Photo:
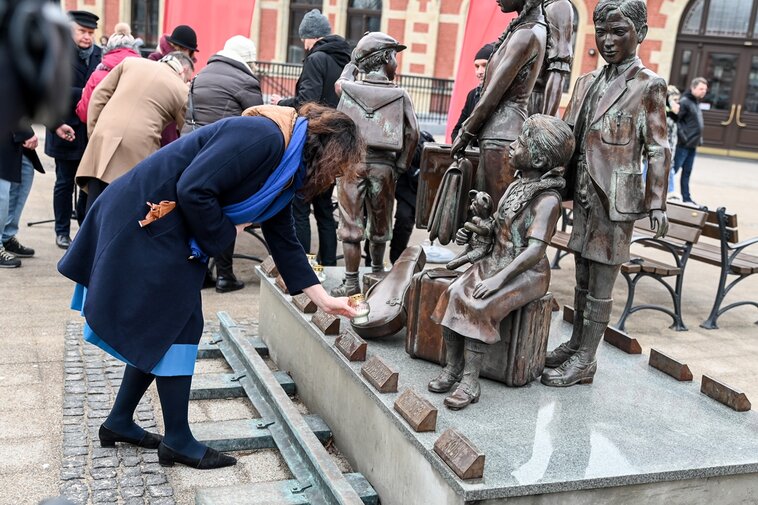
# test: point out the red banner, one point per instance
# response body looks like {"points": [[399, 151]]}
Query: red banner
{"points": [[214, 21], [484, 23]]}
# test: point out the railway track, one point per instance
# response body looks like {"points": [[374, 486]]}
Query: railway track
{"points": [[300, 439]]}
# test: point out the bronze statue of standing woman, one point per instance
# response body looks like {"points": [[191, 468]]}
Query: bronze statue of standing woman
{"points": [[511, 73]]}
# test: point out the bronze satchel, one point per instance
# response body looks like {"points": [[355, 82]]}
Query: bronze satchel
{"points": [[450, 206], [378, 112]]}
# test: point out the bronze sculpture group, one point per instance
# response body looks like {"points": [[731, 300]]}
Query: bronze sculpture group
{"points": [[614, 122]]}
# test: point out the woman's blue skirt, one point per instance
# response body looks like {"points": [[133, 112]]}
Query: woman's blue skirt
{"points": [[178, 360]]}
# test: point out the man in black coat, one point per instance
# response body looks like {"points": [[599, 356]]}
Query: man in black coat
{"points": [[480, 65], [326, 56], [689, 133], [67, 142]]}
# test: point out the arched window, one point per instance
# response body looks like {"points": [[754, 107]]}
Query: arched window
{"points": [[144, 21], [721, 18], [298, 9], [362, 16]]}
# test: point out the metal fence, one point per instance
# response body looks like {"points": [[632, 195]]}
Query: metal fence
{"points": [[431, 97]]}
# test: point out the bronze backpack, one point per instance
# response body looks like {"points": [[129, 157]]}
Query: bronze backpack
{"points": [[378, 112]]}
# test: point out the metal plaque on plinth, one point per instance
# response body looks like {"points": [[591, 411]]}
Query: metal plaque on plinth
{"points": [[417, 410], [304, 304], [269, 267], [460, 454], [670, 366], [722, 393], [351, 345], [380, 375], [328, 324], [281, 285]]}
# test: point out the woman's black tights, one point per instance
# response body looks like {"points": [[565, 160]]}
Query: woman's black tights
{"points": [[174, 395], [133, 387]]}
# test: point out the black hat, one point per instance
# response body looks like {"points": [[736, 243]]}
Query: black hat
{"points": [[485, 52], [84, 18], [184, 36]]}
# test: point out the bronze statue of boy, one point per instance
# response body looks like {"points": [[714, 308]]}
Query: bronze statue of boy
{"points": [[384, 115], [618, 116], [516, 270]]}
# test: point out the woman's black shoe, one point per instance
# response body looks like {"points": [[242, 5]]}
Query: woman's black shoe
{"points": [[211, 459], [108, 438]]}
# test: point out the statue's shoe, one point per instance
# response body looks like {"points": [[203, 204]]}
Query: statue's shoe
{"points": [[346, 289], [462, 397], [573, 371], [387, 298], [444, 382], [559, 355]]}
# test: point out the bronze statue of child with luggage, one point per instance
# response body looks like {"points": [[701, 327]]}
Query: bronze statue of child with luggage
{"points": [[478, 234], [384, 115], [516, 272]]}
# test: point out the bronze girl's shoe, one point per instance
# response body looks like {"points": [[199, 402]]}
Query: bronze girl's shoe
{"points": [[108, 438], [211, 459], [462, 397]]}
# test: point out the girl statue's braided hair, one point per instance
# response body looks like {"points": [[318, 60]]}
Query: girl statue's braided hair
{"points": [[529, 6]]}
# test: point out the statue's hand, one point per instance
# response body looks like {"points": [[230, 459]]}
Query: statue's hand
{"points": [[460, 143], [659, 222], [462, 236], [486, 288]]}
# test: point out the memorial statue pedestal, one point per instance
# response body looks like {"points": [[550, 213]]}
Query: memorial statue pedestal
{"points": [[634, 436]]}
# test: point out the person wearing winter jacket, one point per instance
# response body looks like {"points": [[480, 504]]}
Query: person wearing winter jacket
{"points": [[690, 133], [120, 45], [326, 56], [224, 88]]}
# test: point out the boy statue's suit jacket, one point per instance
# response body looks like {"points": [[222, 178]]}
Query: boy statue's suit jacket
{"points": [[628, 126]]}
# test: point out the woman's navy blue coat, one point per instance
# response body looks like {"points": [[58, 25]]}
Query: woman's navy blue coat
{"points": [[143, 293]]}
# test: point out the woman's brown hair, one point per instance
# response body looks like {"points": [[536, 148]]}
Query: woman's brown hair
{"points": [[333, 148]]}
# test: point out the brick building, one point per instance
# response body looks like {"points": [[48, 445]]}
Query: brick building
{"points": [[714, 38]]}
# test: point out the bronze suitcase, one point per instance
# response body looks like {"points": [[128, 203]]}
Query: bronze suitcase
{"points": [[423, 337], [435, 160], [517, 359]]}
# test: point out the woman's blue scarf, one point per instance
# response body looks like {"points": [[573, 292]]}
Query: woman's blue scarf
{"points": [[275, 194]]}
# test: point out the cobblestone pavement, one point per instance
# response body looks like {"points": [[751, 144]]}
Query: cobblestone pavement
{"points": [[90, 473]]}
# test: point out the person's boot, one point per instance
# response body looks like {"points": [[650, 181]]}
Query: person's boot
{"points": [[564, 351], [468, 390], [7, 260], [453, 370], [581, 367], [349, 286], [13, 246]]}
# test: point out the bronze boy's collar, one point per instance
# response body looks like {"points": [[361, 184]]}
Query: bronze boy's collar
{"points": [[616, 87]]}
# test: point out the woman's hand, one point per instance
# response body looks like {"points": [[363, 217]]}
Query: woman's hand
{"points": [[487, 287], [329, 304]]}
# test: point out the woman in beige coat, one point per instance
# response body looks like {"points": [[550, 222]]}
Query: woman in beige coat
{"points": [[127, 113]]}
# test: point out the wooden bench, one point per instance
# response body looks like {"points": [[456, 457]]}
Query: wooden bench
{"points": [[729, 255], [685, 227]]}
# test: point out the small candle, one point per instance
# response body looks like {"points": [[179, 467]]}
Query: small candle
{"points": [[320, 275], [361, 306]]}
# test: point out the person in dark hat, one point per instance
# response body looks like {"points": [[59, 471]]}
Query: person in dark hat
{"points": [[480, 64], [326, 54], [183, 39], [67, 141]]}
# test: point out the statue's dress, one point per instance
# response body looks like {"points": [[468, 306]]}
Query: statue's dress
{"points": [[528, 210]]}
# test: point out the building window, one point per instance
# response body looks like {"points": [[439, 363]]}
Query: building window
{"points": [[362, 16], [145, 14], [728, 18], [298, 9], [693, 19]]}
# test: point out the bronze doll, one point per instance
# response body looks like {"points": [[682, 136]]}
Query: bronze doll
{"points": [[618, 116], [384, 115], [516, 272], [502, 108]]}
